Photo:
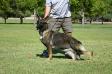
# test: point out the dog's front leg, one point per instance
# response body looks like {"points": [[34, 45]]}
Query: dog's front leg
{"points": [[49, 52]]}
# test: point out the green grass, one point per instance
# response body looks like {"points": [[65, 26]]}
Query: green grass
{"points": [[19, 44]]}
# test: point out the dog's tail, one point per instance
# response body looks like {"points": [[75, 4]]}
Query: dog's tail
{"points": [[85, 52], [78, 47]]}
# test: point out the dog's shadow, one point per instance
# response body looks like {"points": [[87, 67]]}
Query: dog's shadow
{"points": [[44, 54], [54, 56]]}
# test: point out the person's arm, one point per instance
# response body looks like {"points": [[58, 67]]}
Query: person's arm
{"points": [[47, 11], [47, 8]]}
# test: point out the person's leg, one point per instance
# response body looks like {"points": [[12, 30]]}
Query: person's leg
{"points": [[54, 24], [67, 26]]}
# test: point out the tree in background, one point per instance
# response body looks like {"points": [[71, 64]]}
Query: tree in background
{"points": [[74, 9], [40, 7], [81, 9], [5, 9], [108, 15], [17, 8], [24, 8], [99, 9], [91, 9]]}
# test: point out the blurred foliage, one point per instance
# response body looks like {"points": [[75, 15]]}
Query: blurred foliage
{"points": [[92, 9]]}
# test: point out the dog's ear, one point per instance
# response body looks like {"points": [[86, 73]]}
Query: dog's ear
{"points": [[37, 25], [38, 17], [38, 21]]}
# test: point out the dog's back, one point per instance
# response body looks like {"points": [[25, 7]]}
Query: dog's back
{"points": [[61, 40]]}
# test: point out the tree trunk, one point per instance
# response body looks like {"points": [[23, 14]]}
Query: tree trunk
{"points": [[21, 20], [35, 18], [102, 19], [83, 17], [90, 20], [5, 20]]}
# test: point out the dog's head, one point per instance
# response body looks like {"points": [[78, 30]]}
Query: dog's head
{"points": [[42, 25]]}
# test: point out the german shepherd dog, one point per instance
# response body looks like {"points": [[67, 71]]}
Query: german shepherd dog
{"points": [[71, 46]]}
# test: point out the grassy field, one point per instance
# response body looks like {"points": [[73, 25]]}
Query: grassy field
{"points": [[19, 44]]}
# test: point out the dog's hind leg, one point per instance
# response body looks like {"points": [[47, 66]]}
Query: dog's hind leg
{"points": [[70, 53]]}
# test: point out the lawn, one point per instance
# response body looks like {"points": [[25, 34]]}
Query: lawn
{"points": [[19, 44]]}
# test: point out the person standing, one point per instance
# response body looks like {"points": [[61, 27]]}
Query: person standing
{"points": [[58, 12]]}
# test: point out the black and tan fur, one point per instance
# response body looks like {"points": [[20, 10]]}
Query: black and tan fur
{"points": [[50, 39]]}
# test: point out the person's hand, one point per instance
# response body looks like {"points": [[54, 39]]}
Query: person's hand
{"points": [[45, 18]]}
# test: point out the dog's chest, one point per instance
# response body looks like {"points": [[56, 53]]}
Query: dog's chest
{"points": [[44, 34]]}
